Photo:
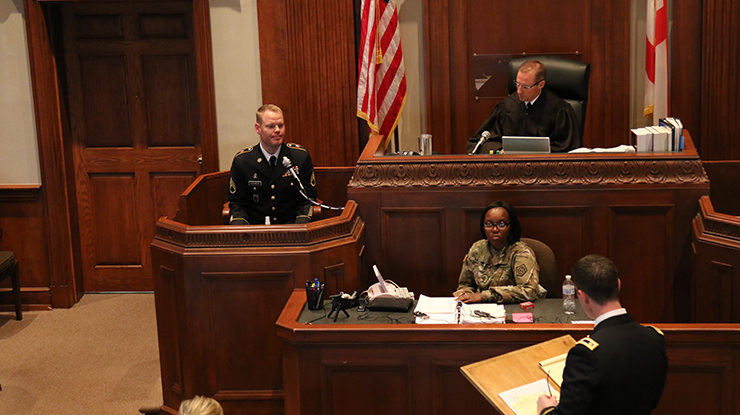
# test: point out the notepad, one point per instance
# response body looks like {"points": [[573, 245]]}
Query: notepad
{"points": [[554, 368]]}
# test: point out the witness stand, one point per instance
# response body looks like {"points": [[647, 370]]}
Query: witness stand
{"points": [[219, 290]]}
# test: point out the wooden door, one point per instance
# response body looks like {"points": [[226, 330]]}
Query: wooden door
{"points": [[135, 132]]}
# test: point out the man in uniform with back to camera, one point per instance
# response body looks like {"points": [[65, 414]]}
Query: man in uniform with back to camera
{"points": [[620, 368], [531, 111], [262, 190]]}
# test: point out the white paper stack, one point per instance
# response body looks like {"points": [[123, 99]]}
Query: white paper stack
{"points": [[443, 310]]}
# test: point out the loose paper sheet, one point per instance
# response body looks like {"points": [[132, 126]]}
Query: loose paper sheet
{"points": [[523, 399]]}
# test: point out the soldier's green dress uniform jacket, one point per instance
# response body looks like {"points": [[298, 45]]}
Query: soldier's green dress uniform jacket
{"points": [[619, 369], [257, 190], [509, 276]]}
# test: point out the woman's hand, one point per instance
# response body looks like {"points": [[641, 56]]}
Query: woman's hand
{"points": [[470, 298]]}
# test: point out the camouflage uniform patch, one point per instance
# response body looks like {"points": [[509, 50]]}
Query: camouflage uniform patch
{"points": [[508, 276]]}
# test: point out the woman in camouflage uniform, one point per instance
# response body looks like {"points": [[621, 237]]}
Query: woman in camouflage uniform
{"points": [[499, 268]]}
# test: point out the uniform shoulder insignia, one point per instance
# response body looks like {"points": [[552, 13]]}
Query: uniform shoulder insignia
{"points": [[296, 146], [590, 343], [657, 330], [246, 150]]}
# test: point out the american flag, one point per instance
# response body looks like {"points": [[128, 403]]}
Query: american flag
{"points": [[381, 85], [656, 62]]}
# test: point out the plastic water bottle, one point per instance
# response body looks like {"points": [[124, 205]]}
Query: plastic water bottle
{"points": [[569, 296]]}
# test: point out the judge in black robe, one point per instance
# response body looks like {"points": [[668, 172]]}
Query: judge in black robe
{"points": [[549, 116]]}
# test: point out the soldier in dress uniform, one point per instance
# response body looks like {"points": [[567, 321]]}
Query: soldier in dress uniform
{"points": [[621, 367], [262, 190]]}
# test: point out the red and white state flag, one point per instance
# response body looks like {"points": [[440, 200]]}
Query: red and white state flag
{"points": [[381, 84], [656, 62]]}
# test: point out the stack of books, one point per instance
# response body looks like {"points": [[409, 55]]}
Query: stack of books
{"points": [[664, 137]]}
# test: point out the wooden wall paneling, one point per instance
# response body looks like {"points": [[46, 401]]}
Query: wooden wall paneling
{"points": [[720, 279], [166, 189], [24, 233], [712, 375], [724, 185], [599, 31], [566, 229], [607, 43], [686, 67], [234, 342], [449, 381], [170, 323], [331, 184], [721, 28], [205, 84], [65, 288], [307, 61], [395, 377], [635, 256], [428, 225], [437, 67]]}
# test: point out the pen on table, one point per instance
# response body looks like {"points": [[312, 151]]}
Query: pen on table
{"points": [[548, 383]]}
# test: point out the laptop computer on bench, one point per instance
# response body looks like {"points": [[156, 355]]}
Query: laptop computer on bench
{"points": [[525, 145]]}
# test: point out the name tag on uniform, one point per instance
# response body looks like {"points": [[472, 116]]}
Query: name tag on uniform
{"points": [[255, 183]]}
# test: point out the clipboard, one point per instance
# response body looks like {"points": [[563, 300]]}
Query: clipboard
{"points": [[520, 367]]}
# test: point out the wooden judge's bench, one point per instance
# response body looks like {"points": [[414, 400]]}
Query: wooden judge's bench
{"points": [[422, 214], [220, 289]]}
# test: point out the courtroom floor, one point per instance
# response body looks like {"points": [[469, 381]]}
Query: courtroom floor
{"points": [[99, 357]]}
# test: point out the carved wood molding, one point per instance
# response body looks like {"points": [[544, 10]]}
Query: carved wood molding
{"points": [[513, 173], [242, 236], [718, 224]]}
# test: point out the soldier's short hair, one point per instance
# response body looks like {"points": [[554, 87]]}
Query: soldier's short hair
{"points": [[597, 276], [534, 66], [267, 107]]}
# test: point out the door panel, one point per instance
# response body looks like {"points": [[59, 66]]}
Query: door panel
{"points": [[135, 130]]}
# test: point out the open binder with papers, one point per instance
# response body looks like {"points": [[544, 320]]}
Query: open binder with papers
{"points": [[446, 310]]}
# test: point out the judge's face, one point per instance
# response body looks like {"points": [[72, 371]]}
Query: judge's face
{"points": [[271, 130], [497, 225], [525, 80]]}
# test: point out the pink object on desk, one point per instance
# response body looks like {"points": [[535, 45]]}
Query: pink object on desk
{"points": [[522, 318]]}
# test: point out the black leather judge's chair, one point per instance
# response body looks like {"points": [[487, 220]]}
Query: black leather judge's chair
{"points": [[9, 269], [548, 265], [567, 78]]}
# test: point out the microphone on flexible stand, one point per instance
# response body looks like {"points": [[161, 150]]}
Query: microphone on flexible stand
{"points": [[458, 313], [483, 138], [289, 165]]}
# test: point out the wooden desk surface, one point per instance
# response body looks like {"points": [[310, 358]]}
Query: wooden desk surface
{"points": [[332, 368]]}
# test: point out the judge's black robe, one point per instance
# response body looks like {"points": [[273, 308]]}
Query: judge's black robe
{"points": [[549, 116]]}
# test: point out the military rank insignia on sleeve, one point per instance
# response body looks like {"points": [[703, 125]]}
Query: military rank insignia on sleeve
{"points": [[590, 343], [232, 186]]}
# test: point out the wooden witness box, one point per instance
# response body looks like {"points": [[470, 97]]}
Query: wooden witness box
{"points": [[219, 290], [423, 213]]}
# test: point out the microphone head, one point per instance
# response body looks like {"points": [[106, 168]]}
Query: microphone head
{"points": [[486, 135], [286, 162]]}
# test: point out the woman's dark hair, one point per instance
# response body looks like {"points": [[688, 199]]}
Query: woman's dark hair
{"points": [[515, 230]]}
